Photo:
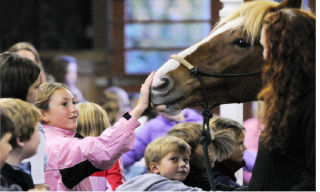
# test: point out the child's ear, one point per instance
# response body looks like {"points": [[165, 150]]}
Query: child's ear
{"points": [[19, 143], [154, 168], [44, 117]]}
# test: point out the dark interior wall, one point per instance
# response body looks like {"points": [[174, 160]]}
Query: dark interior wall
{"points": [[58, 27], [18, 22], [69, 29], [48, 24]]}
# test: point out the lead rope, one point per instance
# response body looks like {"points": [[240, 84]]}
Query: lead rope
{"points": [[205, 138]]}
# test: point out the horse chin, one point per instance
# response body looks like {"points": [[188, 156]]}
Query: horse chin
{"points": [[169, 105], [168, 109], [173, 109]]}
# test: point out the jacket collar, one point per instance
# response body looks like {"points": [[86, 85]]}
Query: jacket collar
{"points": [[60, 131]]}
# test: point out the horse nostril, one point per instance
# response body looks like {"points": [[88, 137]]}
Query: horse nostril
{"points": [[165, 81]]}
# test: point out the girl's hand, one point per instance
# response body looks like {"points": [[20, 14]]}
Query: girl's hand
{"points": [[143, 101]]}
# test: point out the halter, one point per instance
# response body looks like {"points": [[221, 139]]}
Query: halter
{"points": [[195, 70], [206, 113]]}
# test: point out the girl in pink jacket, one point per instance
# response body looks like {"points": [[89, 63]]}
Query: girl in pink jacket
{"points": [[72, 159]]}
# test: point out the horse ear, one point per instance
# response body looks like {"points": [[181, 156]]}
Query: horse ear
{"points": [[289, 4]]}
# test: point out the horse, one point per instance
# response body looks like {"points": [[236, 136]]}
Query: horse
{"points": [[231, 49]]}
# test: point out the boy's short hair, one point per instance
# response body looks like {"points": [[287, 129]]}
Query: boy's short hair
{"points": [[7, 125], [189, 132], [24, 115], [162, 146]]}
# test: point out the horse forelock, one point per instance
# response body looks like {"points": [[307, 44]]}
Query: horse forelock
{"points": [[226, 27], [252, 13]]}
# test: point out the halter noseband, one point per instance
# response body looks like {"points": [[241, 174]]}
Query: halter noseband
{"points": [[205, 139], [194, 70]]}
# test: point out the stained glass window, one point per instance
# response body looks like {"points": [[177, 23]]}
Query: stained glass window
{"points": [[155, 29]]}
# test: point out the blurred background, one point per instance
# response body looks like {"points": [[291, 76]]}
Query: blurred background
{"points": [[115, 42]]}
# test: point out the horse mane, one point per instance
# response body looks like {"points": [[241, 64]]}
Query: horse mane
{"points": [[253, 13]]}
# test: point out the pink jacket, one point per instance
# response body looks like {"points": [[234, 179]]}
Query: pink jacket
{"points": [[66, 152]]}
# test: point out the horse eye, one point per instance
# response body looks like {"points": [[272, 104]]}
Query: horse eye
{"points": [[241, 43]]}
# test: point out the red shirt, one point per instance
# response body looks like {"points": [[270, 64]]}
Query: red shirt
{"points": [[110, 178]]}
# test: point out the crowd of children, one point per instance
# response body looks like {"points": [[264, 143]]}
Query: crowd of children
{"points": [[81, 152], [49, 141], [70, 159]]}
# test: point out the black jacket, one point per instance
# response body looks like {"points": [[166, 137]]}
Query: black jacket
{"points": [[224, 172], [5, 186], [199, 178], [16, 176], [294, 169]]}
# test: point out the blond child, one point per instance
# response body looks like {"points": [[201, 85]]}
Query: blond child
{"points": [[25, 140], [93, 120], [167, 162], [221, 147], [71, 160]]}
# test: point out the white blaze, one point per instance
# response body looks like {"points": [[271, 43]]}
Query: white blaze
{"points": [[171, 64]]}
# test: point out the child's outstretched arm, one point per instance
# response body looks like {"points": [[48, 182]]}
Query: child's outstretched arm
{"points": [[143, 101]]}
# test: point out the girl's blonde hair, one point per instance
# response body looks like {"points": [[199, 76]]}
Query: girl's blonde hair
{"points": [[93, 119], [47, 90]]}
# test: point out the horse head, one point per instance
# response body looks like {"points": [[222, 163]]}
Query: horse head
{"points": [[232, 47]]}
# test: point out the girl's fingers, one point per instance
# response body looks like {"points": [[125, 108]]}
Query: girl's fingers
{"points": [[147, 83], [143, 101], [149, 78]]}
